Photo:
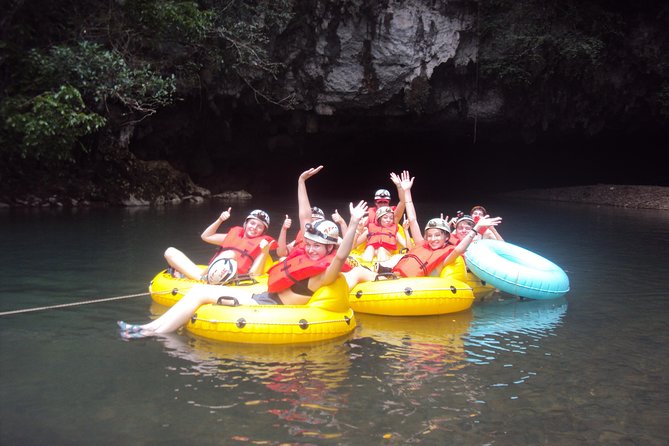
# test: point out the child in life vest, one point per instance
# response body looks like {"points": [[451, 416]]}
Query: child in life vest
{"points": [[432, 249], [382, 199], [381, 236], [242, 250]]}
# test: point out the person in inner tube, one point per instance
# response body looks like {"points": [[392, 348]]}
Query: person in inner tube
{"points": [[491, 233], [249, 260]]}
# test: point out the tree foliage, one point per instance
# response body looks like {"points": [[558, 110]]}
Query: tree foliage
{"points": [[47, 126], [564, 60], [91, 64]]}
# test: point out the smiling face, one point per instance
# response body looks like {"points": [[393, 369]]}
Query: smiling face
{"points": [[462, 228], [315, 250], [387, 220], [478, 212], [382, 202], [436, 238], [253, 228]]}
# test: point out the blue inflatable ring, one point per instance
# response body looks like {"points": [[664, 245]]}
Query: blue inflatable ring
{"points": [[516, 270]]}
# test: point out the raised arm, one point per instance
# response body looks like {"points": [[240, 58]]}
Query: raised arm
{"points": [[399, 209], [210, 235], [304, 207], [416, 233], [344, 249], [406, 224], [340, 221], [484, 222], [282, 241]]}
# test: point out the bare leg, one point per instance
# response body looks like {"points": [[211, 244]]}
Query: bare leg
{"points": [[184, 309], [382, 254], [183, 264], [357, 275], [368, 255], [392, 261]]}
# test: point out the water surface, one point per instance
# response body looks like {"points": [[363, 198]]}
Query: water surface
{"points": [[588, 368]]}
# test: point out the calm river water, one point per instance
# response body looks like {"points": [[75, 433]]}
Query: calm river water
{"points": [[589, 368]]}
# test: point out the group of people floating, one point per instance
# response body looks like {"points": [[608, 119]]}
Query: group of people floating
{"points": [[319, 253]]}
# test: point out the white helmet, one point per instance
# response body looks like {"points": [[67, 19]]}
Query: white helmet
{"points": [[317, 212], [467, 218], [259, 215], [221, 271], [382, 194], [322, 231], [438, 223]]}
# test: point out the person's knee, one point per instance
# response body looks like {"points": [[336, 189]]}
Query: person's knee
{"points": [[170, 253]]}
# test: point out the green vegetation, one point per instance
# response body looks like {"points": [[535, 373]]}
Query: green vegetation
{"points": [[575, 60], [47, 126], [70, 68]]}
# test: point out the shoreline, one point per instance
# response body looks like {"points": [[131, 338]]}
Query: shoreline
{"points": [[627, 196], [634, 197]]}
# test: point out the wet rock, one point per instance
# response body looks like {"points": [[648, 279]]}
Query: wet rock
{"points": [[638, 197]]}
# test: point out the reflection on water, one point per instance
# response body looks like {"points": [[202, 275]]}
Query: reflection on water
{"points": [[418, 347], [297, 384], [511, 325]]}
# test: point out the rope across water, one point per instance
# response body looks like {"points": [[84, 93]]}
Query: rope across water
{"points": [[72, 304]]}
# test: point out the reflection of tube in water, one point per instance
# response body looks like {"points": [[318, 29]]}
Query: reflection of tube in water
{"points": [[396, 330], [299, 384], [532, 317], [419, 347]]}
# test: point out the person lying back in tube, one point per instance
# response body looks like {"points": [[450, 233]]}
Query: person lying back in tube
{"points": [[242, 250]]}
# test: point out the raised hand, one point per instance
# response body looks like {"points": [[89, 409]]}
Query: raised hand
{"points": [[225, 214], [358, 211], [310, 173], [336, 217], [406, 180], [395, 179], [287, 222], [488, 221]]}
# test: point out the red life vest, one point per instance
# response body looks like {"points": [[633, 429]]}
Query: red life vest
{"points": [[299, 239], [380, 237], [246, 249], [422, 260], [297, 267]]}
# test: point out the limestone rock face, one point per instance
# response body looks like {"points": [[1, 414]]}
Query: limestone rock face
{"points": [[373, 54]]}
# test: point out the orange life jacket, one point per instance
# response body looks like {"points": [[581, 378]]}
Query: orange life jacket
{"points": [[246, 249], [297, 267], [421, 260], [380, 237], [299, 239]]}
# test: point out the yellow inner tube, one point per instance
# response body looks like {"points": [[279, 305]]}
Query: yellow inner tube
{"points": [[166, 289], [458, 271], [411, 296], [326, 316]]}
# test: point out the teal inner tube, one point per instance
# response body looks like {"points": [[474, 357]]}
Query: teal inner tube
{"points": [[516, 270]]}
